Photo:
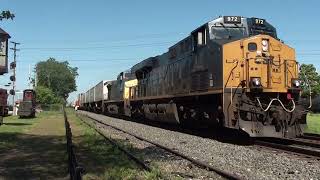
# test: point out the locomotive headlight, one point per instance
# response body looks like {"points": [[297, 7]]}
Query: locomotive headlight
{"points": [[265, 45], [296, 83], [264, 42], [255, 82]]}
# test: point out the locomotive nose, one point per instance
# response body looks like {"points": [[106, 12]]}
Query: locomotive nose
{"points": [[267, 62]]}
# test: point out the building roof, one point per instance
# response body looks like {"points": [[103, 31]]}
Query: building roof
{"points": [[3, 32]]}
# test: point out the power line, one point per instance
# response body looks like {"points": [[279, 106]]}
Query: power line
{"points": [[131, 38], [315, 40], [136, 58], [92, 60], [98, 47]]}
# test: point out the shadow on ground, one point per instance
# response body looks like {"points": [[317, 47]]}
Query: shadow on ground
{"points": [[17, 124], [25, 156], [27, 117]]}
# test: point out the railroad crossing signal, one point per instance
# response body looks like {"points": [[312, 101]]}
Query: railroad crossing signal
{"points": [[12, 92], [13, 65], [12, 78]]}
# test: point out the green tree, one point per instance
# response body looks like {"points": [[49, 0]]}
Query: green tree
{"points": [[46, 96], [59, 77], [310, 77], [6, 15]]}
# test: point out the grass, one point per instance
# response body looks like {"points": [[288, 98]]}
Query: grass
{"points": [[14, 124], [313, 121], [33, 148], [102, 160]]}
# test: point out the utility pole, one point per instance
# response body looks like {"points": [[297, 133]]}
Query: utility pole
{"points": [[35, 80], [29, 79], [14, 73]]}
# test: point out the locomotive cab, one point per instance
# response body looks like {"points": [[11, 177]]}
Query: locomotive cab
{"points": [[27, 107]]}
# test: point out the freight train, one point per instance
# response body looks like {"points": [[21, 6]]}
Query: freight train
{"points": [[231, 72]]}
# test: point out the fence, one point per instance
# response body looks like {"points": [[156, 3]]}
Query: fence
{"points": [[75, 170]]}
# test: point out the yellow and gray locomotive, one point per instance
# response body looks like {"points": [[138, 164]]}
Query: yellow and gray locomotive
{"points": [[231, 72]]}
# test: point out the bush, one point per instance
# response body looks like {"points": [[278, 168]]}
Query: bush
{"points": [[51, 107], [46, 96]]}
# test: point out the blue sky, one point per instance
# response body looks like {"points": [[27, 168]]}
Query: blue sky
{"points": [[103, 37]]}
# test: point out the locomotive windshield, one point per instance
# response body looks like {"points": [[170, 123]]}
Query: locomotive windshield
{"points": [[222, 32], [235, 27], [260, 26]]}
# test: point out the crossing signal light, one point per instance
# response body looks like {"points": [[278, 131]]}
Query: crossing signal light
{"points": [[12, 78], [13, 65], [12, 92]]}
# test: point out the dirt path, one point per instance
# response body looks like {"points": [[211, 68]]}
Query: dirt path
{"points": [[38, 152]]}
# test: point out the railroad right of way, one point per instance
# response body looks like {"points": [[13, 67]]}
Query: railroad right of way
{"points": [[147, 154], [244, 161]]}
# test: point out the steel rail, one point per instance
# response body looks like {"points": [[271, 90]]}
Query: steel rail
{"points": [[302, 141], [311, 136], [198, 163], [289, 148], [130, 155]]}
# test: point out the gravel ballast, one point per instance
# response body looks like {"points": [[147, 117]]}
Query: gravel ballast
{"points": [[170, 165], [248, 162]]}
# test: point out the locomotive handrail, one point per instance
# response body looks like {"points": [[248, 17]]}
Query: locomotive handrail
{"points": [[277, 99], [309, 87], [261, 57], [279, 65]]}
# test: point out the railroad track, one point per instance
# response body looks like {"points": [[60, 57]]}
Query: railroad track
{"points": [[195, 162], [139, 162], [299, 146], [311, 136]]}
